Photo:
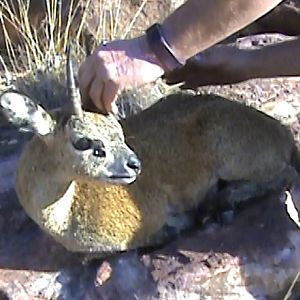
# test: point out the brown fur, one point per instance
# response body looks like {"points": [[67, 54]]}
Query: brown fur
{"points": [[186, 145]]}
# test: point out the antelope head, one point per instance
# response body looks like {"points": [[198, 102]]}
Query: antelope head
{"points": [[84, 145]]}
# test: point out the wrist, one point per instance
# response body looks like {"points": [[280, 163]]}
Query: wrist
{"points": [[162, 49], [147, 54], [253, 64], [245, 64]]}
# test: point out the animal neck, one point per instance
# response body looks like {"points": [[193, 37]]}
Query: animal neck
{"points": [[42, 185]]}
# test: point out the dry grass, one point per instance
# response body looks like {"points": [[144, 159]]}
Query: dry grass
{"points": [[44, 46]]}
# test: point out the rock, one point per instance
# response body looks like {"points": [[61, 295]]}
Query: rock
{"points": [[285, 19], [283, 110], [257, 41], [256, 255]]}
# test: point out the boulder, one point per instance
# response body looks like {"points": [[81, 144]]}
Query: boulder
{"points": [[257, 256]]}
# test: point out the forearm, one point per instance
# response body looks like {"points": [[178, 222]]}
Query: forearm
{"points": [[199, 24], [277, 60]]}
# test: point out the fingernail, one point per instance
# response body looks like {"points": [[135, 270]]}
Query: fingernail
{"points": [[114, 109]]}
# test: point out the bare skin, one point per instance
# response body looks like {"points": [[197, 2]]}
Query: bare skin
{"points": [[129, 63], [224, 64]]}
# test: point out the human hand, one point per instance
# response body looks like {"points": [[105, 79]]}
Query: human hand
{"points": [[117, 65], [221, 64]]}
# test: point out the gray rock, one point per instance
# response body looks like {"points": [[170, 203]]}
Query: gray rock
{"points": [[257, 256]]}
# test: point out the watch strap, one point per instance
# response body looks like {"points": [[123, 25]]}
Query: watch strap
{"points": [[161, 48]]}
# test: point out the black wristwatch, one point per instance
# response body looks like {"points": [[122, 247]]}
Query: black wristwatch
{"points": [[162, 49]]}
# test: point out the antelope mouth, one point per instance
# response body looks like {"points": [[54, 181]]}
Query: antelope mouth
{"points": [[122, 178]]}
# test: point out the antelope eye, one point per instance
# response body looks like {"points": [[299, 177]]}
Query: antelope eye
{"points": [[99, 152], [99, 149], [83, 144]]}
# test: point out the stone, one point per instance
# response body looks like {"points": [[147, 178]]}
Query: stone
{"points": [[255, 256]]}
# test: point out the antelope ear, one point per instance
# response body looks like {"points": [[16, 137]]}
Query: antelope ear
{"points": [[25, 114]]}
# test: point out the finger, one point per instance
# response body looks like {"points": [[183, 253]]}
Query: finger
{"points": [[114, 108], [89, 105], [195, 81], [189, 86], [86, 74], [175, 76], [109, 96], [95, 94], [194, 64]]}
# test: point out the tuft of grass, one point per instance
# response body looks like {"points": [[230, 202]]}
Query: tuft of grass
{"points": [[43, 46], [38, 47]]}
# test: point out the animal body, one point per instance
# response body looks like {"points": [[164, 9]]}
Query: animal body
{"points": [[99, 185]]}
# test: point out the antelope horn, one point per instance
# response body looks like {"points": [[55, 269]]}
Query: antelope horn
{"points": [[73, 91]]}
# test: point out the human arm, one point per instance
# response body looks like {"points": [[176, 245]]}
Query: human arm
{"points": [[195, 26], [227, 64]]}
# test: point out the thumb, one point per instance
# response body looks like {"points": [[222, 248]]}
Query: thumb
{"points": [[175, 76], [109, 96]]}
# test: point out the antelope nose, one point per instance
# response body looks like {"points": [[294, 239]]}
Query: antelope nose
{"points": [[134, 163]]}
